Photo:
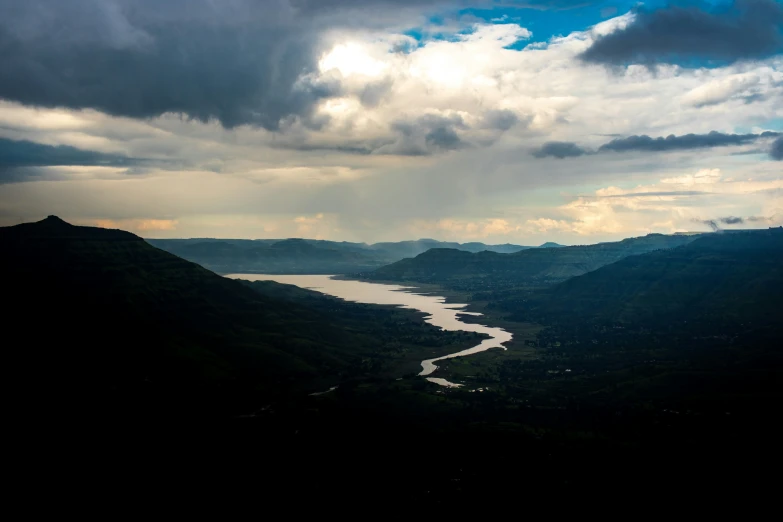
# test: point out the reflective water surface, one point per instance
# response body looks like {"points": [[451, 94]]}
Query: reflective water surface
{"points": [[439, 313]]}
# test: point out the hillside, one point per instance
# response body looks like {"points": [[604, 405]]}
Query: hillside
{"points": [[105, 324], [305, 256], [488, 271], [729, 278], [695, 330]]}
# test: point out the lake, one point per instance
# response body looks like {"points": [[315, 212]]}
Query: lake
{"points": [[439, 313]]}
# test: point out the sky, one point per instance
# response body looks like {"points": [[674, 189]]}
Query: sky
{"points": [[574, 121]]}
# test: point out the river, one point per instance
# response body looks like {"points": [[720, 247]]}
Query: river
{"points": [[439, 313]]}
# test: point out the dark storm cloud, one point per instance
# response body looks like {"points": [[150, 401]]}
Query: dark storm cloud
{"points": [[560, 149], [776, 152], [422, 136], [325, 5], [22, 160], [441, 133], [747, 29], [644, 143], [710, 223], [444, 138], [15, 154], [425, 135], [236, 62], [684, 142], [715, 224]]}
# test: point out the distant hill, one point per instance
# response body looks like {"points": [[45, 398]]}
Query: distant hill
{"points": [[402, 249], [718, 278], [305, 256], [292, 256], [550, 244], [530, 267], [100, 323]]}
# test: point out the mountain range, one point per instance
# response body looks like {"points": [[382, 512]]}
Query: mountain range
{"points": [[647, 347], [479, 271], [308, 256]]}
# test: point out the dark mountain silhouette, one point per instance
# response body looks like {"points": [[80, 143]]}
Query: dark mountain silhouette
{"points": [[106, 325], [698, 328]]}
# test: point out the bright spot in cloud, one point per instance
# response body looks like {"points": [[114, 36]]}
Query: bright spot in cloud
{"points": [[352, 58]]}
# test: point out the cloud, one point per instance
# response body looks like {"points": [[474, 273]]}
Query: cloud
{"points": [[372, 177], [313, 5], [465, 229], [18, 159], [614, 210], [723, 89], [745, 30], [710, 223], [715, 224], [239, 62], [427, 134], [702, 177], [655, 194], [29, 154], [501, 120], [687, 141], [776, 152], [559, 149], [140, 226]]}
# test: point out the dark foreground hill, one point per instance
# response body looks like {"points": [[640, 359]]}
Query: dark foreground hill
{"points": [[106, 325], [532, 267]]}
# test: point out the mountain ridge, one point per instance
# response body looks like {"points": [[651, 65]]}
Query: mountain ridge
{"points": [[535, 266], [305, 256]]}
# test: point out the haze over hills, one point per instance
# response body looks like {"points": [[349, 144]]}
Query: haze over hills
{"points": [[531, 267], [306, 256]]}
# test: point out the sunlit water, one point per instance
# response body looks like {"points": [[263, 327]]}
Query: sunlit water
{"points": [[439, 313]]}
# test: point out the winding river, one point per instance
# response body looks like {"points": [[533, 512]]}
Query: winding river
{"points": [[439, 313]]}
